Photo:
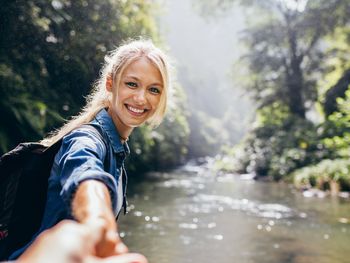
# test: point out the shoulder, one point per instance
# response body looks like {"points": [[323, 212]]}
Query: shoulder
{"points": [[84, 138]]}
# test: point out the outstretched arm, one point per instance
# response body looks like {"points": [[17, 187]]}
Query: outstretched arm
{"points": [[92, 206]]}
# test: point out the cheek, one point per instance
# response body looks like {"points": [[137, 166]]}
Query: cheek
{"points": [[122, 95]]}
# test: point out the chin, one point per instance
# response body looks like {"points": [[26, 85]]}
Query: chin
{"points": [[135, 124]]}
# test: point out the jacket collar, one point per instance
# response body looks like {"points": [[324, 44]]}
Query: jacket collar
{"points": [[105, 120]]}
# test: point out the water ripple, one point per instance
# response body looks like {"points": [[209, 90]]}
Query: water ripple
{"points": [[210, 203]]}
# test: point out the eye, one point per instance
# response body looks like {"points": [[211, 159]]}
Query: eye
{"points": [[154, 90], [131, 84]]}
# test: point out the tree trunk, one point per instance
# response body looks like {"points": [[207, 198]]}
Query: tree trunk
{"points": [[337, 91], [294, 80], [294, 83]]}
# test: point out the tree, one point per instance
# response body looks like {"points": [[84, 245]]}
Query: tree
{"points": [[290, 44], [337, 79], [284, 41], [51, 52], [337, 91]]}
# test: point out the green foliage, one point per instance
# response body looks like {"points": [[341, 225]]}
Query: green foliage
{"points": [[207, 135], [323, 174], [284, 55], [274, 114], [336, 63], [295, 49], [278, 145], [231, 159], [50, 54], [172, 137], [336, 129]]}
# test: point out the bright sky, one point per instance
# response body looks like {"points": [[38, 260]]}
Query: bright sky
{"points": [[298, 5], [204, 50]]}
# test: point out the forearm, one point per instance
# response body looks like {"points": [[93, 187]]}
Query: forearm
{"points": [[92, 206], [92, 201]]}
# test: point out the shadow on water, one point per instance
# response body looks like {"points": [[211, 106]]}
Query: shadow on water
{"points": [[191, 215]]}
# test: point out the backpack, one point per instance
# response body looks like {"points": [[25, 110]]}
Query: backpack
{"points": [[24, 173]]}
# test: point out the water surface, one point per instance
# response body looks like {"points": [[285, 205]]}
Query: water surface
{"points": [[193, 215]]}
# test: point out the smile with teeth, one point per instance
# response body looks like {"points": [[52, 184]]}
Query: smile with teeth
{"points": [[135, 110]]}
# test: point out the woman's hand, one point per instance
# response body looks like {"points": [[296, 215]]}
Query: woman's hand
{"points": [[71, 242], [92, 207], [108, 242]]}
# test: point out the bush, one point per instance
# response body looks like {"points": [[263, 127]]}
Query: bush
{"points": [[323, 174], [278, 149]]}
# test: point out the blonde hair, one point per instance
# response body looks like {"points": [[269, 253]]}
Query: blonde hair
{"points": [[115, 64]]}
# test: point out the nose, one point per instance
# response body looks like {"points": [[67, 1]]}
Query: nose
{"points": [[140, 96]]}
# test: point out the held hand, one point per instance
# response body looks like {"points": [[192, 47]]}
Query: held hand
{"points": [[65, 242], [107, 241], [125, 258], [71, 242]]}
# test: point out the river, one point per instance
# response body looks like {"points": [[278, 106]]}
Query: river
{"points": [[192, 215]]}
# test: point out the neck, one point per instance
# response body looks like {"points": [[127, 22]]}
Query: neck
{"points": [[123, 130], [123, 133]]}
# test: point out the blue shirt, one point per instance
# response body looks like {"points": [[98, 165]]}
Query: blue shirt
{"points": [[85, 154]]}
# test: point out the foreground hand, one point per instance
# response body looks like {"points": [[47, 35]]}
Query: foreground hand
{"points": [[71, 242], [107, 241], [125, 258]]}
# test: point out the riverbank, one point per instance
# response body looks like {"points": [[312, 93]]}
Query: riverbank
{"points": [[328, 178]]}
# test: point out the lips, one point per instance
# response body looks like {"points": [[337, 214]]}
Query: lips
{"points": [[135, 111]]}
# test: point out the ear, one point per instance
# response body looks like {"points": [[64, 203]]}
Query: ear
{"points": [[109, 83]]}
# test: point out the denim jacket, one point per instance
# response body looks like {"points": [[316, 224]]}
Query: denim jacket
{"points": [[85, 154]]}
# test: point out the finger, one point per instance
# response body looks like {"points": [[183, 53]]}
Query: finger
{"points": [[121, 248]]}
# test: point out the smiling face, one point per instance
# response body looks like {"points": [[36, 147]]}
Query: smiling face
{"points": [[137, 96]]}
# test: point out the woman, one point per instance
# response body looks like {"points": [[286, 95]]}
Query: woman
{"points": [[88, 180]]}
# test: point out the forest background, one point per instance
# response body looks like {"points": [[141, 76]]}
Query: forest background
{"points": [[294, 66]]}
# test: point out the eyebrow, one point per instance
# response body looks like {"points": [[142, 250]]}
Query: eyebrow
{"points": [[137, 79]]}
